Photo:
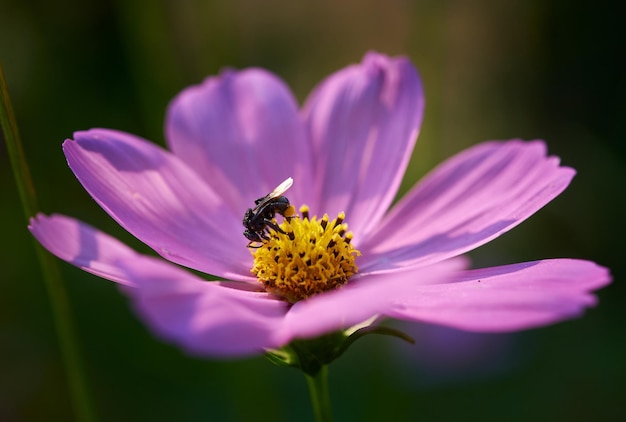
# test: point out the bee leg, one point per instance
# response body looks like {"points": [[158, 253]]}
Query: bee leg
{"points": [[273, 225]]}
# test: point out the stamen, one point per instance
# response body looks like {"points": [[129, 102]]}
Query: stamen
{"points": [[306, 256], [340, 218], [304, 210]]}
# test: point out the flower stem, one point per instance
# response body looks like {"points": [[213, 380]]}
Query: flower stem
{"points": [[320, 396], [58, 297]]}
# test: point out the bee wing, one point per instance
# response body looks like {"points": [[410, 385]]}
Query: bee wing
{"points": [[278, 191]]}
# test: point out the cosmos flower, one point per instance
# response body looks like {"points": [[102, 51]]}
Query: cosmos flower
{"points": [[234, 138]]}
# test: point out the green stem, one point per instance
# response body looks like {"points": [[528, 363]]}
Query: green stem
{"points": [[56, 291], [320, 395]]}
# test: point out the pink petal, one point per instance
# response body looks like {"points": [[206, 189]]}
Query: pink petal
{"points": [[242, 134], [157, 198], [204, 318], [360, 300], [363, 122], [508, 298], [465, 202], [82, 245]]}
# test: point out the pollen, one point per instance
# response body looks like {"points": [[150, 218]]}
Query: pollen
{"points": [[306, 257]]}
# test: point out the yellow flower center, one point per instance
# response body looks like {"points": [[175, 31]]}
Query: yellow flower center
{"points": [[310, 256]]}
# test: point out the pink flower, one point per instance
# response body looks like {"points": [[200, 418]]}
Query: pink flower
{"points": [[235, 137]]}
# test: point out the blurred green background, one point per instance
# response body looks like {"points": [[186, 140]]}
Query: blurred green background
{"points": [[492, 70]]}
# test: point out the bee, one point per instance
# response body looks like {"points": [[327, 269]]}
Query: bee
{"points": [[257, 220]]}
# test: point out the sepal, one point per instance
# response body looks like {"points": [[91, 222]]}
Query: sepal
{"points": [[311, 355]]}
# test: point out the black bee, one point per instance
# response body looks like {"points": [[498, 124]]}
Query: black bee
{"points": [[256, 220]]}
